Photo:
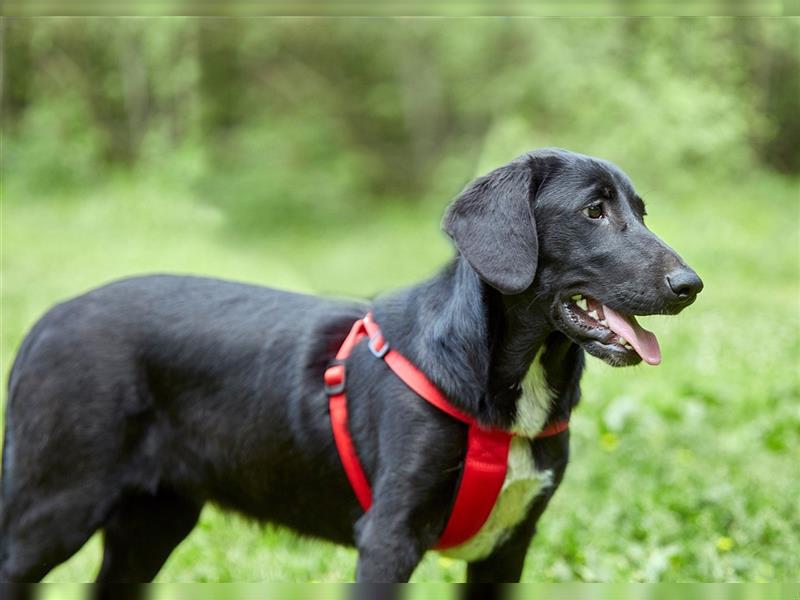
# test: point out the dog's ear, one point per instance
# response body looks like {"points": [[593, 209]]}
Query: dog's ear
{"points": [[492, 225]]}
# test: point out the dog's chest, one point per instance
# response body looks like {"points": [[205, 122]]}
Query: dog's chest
{"points": [[523, 482], [533, 406]]}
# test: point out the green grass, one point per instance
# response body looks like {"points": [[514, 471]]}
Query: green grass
{"points": [[685, 472]]}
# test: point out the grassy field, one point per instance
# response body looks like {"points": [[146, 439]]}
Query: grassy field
{"points": [[685, 472]]}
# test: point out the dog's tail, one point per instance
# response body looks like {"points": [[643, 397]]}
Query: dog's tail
{"points": [[7, 462], [3, 484], [7, 459], [5, 468]]}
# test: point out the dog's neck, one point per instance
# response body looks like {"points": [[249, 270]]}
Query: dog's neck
{"points": [[478, 346]]}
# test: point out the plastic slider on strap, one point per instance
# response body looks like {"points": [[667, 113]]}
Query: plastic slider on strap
{"points": [[378, 346], [335, 377]]}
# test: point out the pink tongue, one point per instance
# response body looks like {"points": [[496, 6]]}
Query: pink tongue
{"points": [[643, 341]]}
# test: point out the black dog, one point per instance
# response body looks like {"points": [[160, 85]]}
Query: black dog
{"points": [[132, 406]]}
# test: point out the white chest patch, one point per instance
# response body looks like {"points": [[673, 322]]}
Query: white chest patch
{"points": [[523, 482], [534, 404]]}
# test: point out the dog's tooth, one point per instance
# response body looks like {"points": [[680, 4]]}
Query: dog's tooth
{"points": [[622, 341], [627, 346], [594, 315], [582, 304], [576, 297], [603, 322]]}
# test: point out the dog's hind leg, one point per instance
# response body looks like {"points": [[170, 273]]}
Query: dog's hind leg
{"points": [[142, 531], [39, 532]]}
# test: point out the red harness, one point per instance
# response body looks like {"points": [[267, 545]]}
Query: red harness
{"points": [[487, 449]]}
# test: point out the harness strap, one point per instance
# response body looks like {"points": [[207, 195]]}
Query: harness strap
{"points": [[337, 403], [486, 459]]}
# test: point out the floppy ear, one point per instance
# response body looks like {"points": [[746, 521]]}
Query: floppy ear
{"points": [[492, 225]]}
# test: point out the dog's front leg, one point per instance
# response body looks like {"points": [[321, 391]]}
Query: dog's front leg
{"points": [[505, 563], [388, 548]]}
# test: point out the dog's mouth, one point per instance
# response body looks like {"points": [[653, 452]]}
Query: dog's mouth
{"points": [[607, 334]]}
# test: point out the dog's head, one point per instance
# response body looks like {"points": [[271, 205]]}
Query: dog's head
{"points": [[569, 231]]}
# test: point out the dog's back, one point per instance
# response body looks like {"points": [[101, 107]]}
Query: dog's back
{"points": [[135, 387]]}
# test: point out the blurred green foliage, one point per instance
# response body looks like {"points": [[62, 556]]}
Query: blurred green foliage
{"points": [[318, 154], [320, 119]]}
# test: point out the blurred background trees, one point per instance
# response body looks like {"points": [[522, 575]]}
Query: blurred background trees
{"points": [[371, 111]]}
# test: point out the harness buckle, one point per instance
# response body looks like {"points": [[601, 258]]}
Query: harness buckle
{"points": [[372, 345], [335, 378]]}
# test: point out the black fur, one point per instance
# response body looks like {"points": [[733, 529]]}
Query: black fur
{"points": [[135, 404]]}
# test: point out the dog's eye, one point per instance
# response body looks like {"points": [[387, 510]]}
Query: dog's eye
{"points": [[594, 211]]}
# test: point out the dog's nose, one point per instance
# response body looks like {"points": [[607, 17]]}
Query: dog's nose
{"points": [[684, 283]]}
